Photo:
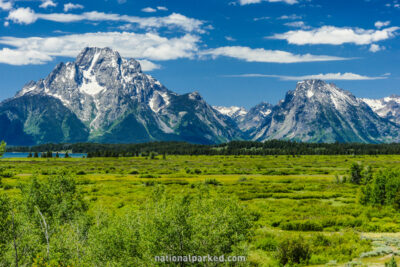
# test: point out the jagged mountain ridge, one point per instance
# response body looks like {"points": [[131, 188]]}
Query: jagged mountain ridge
{"points": [[116, 102], [388, 107], [320, 112]]}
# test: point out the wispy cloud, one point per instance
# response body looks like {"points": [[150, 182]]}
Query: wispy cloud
{"points": [[71, 6], [297, 24], [230, 38], [348, 76], [28, 16], [381, 24], [261, 18], [149, 10], [249, 2], [262, 55], [292, 17], [336, 36]]}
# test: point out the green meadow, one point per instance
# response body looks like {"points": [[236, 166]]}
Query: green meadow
{"points": [[303, 203]]}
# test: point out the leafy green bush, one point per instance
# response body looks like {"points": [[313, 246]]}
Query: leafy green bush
{"points": [[293, 251], [57, 197], [383, 189], [148, 176], [355, 173], [267, 243], [212, 181], [391, 263], [7, 174], [306, 225]]}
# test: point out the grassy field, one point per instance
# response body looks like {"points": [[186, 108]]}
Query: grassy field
{"points": [[291, 197]]}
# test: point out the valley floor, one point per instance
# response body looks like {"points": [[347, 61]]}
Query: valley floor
{"points": [[290, 197]]}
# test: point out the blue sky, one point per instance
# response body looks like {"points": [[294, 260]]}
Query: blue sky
{"points": [[234, 52]]}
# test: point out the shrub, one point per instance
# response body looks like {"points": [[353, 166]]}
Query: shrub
{"points": [[212, 181], [56, 197], [148, 176], [355, 173], [293, 251], [391, 263], [306, 225], [268, 243], [7, 174]]}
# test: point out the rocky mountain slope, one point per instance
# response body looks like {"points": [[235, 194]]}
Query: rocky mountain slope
{"points": [[106, 98], [247, 120], [388, 107], [320, 112]]}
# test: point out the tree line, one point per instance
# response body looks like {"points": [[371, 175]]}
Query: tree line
{"points": [[272, 147]]}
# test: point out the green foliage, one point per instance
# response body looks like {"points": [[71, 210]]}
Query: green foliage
{"points": [[182, 225], [391, 263], [5, 224], [212, 181], [57, 197], [306, 225], [383, 189], [293, 251], [2, 148], [356, 173]]}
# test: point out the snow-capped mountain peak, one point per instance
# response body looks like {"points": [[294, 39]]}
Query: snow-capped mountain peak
{"points": [[232, 111], [320, 112], [116, 101], [387, 107]]}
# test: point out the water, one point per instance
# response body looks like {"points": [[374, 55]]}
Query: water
{"points": [[25, 155]]}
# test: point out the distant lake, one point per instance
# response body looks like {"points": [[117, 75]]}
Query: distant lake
{"points": [[25, 155]]}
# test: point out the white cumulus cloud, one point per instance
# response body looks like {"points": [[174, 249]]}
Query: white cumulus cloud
{"points": [[348, 76], [148, 65], [21, 57], [5, 5], [48, 3], [336, 36], [23, 15], [162, 8], [261, 55], [148, 46], [375, 48], [71, 6]]}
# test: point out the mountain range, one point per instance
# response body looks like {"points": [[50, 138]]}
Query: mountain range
{"points": [[102, 97]]}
